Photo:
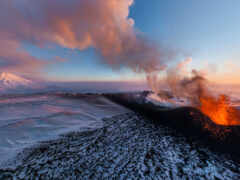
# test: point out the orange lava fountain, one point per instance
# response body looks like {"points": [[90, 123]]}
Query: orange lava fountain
{"points": [[219, 110]]}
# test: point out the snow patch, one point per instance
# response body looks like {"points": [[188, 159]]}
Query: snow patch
{"points": [[170, 102]]}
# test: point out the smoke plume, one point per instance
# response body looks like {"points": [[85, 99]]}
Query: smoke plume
{"points": [[79, 24], [195, 88], [182, 83]]}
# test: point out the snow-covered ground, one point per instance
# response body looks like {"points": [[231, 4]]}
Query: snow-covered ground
{"points": [[173, 102], [27, 119], [126, 147], [99, 140]]}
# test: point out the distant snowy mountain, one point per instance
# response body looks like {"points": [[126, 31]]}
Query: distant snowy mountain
{"points": [[11, 81], [13, 84]]}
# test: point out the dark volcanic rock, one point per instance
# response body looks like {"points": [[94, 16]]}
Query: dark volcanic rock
{"points": [[188, 120], [126, 147]]}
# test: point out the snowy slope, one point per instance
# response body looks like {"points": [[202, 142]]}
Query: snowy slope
{"points": [[168, 102], [126, 147], [27, 119]]}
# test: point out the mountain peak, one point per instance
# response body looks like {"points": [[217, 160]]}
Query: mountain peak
{"points": [[10, 80]]}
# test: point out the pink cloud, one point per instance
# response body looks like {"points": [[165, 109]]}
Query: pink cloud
{"points": [[76, 24], [60, 59], [15, 59]]}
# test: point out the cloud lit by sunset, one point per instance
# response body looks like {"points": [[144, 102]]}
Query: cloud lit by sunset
{"points": [[47, 38]]}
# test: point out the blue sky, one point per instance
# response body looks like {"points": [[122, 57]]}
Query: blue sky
{"points": [[207, 31]]}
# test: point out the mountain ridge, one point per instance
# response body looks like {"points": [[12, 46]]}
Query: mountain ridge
{"points": [[12, 81]]}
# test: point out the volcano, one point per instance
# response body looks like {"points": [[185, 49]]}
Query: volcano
{"points": [[187, 120], [12, 81]]}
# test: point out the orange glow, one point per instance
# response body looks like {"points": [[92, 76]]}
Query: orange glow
{"points": [[219, 110]]}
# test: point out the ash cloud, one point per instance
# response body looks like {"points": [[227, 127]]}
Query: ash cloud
{"points": [[182, 83], [80, 24]]}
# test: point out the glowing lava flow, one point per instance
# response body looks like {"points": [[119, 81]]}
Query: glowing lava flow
{"points": [[219, 110]]}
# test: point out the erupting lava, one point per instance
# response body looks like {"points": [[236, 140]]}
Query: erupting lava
{"points": [[195, 89], [219, 110]]}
